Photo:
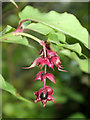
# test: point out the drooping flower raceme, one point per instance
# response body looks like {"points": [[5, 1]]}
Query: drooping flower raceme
{"points": [[47, 57]]}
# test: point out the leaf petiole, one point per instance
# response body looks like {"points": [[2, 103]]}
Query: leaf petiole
{"points": [[29, 36]]}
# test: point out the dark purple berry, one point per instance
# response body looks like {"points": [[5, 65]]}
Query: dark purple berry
{"points": [[44, 96]]}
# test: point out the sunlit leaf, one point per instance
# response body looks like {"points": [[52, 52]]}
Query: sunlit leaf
{"points": [[83, 63], [74, 47], [7, 30], [43, 29], [56, 37], [11, 38], [62, 22], [25, 24]]}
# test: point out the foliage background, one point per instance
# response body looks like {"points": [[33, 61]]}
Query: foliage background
{"points": [[71, 90]]}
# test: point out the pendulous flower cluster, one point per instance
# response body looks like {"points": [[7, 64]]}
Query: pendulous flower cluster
{"points": [[47, 57]]}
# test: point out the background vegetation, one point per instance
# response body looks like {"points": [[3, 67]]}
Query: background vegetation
{"points": [[71, 89]]}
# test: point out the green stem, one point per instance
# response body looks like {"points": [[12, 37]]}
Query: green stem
{"points": [[45, 65], [29, 36]]}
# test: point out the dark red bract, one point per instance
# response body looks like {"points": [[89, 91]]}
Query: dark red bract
{"points": [[42, 76]]}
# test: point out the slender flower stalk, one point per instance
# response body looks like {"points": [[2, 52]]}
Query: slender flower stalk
{"points": [[45, 65], [28, 35]]}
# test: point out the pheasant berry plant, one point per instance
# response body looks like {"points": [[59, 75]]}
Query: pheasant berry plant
{"points": [[47, 57], [56, 27]]}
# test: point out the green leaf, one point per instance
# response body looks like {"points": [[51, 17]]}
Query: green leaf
{"points": [[62, 22], [7, 36], [25, 24], [83, 63], [56, 37], [9, 88], [43, 29], [7, 30], [77, 115], [74, 47], [11, 38], [61, 37]]}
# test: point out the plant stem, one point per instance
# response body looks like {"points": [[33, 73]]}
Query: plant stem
{"points": [[44, 83], [45, 65], [29, 36]]}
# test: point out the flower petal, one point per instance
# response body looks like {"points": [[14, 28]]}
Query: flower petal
{"points": [[34, 63], [44, 102], [49, 76], [55, 60], [45, 61], [51, 53], [59, 68], [41, 52], [51, 65], [39, 75], [50, 98]]}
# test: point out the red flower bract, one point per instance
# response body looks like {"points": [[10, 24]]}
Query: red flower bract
{"points": [[49, 76], [42, 76], [40, 61], [39, 75], [45, 61], [51, 53], [44, 95], [55, 60]]}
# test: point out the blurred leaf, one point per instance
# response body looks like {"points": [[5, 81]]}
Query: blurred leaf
{"points": [[12, 19], [7, 29], [65, 22], [83, 63], [77, 115], [11, 38], [9, 88], [8, 109], [74, 95], [61, 99]]}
